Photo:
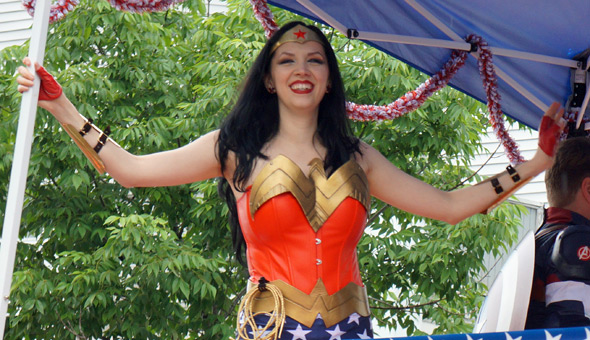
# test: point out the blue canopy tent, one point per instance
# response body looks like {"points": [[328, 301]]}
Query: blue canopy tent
{"points": [[533, 42]]}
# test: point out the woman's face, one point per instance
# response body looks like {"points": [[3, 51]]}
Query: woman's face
{"points": [[300, 75]]}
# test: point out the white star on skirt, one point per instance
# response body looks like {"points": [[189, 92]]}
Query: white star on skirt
{"points": [[259, 332], [364, 335], [354, 317], [299, 333], [336, 333]]}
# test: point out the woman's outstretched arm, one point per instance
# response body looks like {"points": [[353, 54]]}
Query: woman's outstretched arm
{"points": [[193, 162], [405, 192]]}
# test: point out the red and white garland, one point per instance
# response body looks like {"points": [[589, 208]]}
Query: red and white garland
{"points": [[264, 16], [58, 10], [140, 6], [61, 7], [490, 84], [414, 99]]}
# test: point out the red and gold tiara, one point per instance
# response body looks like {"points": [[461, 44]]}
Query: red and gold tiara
{"points": [[299, 34]]}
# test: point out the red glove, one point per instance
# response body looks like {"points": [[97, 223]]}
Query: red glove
{"points": [[50, 89], [549, 133]]}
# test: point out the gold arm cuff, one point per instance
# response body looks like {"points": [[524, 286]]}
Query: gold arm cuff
{"points": [[505, 195], [304, 308], [86, 148]]}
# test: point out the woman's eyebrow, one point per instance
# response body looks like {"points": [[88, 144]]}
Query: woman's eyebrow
{"points": [[292, 54]]}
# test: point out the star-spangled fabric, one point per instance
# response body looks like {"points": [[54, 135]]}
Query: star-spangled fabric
{"points": [[353, 327], [349, 329], [573, 333]]}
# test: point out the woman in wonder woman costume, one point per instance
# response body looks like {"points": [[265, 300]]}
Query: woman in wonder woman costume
{"points": [[297, 183]]}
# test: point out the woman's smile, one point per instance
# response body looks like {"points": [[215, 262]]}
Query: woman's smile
{"points": [[301, 87]]}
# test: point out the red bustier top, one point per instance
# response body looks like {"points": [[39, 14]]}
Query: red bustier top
{"points": [[301, 229]]}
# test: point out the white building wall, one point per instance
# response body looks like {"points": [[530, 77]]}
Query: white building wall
{"points": [[15, 23], [215, 6], [534, 191]]}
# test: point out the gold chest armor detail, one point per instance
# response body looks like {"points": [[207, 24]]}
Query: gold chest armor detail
{"points": [[317, 194]]}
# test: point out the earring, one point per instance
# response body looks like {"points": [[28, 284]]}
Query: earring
{"points": [[328, 88], [271, 90]]}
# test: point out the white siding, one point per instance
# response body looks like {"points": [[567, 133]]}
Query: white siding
{"points": [[15, 23], [534, 191], [216, 6]]}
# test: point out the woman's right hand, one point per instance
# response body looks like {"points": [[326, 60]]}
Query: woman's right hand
{"points": [[50, 89]]}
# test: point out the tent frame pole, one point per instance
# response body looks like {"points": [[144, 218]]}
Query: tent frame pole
{"points": [[463, 46], [496, 51], [327, 18], [20, 163], [501, 74], [456, 43]]}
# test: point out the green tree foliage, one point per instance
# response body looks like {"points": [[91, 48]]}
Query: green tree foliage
{"points": [[150, 263]]}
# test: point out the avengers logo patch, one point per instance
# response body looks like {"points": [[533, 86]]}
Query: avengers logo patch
{"points": [[584, 253]]}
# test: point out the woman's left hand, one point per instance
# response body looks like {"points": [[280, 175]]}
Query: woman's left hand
{"points": [[50, 88], [552, 125]]}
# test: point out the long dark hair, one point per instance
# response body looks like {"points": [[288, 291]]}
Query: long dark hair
{"points": [[254, 121]]}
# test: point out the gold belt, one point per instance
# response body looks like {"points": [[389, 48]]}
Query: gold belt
{"points": [[304, 308]]}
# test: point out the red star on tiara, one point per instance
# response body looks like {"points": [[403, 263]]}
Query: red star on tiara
{"points": [[300, 34]]}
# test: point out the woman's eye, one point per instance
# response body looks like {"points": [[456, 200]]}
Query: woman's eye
{"points": [[317, 61], [285, 61]]}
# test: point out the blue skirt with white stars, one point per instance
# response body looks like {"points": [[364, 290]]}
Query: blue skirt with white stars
{"points": [[353, 327]]}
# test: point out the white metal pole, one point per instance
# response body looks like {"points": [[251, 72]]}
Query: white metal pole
{"points": [[457, 43], [412, 40], [501, 74], [520, 89], [583, 108], [323, 15], [505, 52], [434, 20], [495, 50], [20, 163]]}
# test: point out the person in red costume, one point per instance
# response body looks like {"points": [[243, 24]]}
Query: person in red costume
{"points": [[297, 182]]}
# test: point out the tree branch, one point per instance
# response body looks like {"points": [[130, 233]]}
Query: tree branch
{"points": [[476, 171], [377, 214], [70, 329], [389, 306], [235, 302]]}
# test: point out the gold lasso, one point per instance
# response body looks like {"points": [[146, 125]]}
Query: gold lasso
{"points": [[274, 327]]}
